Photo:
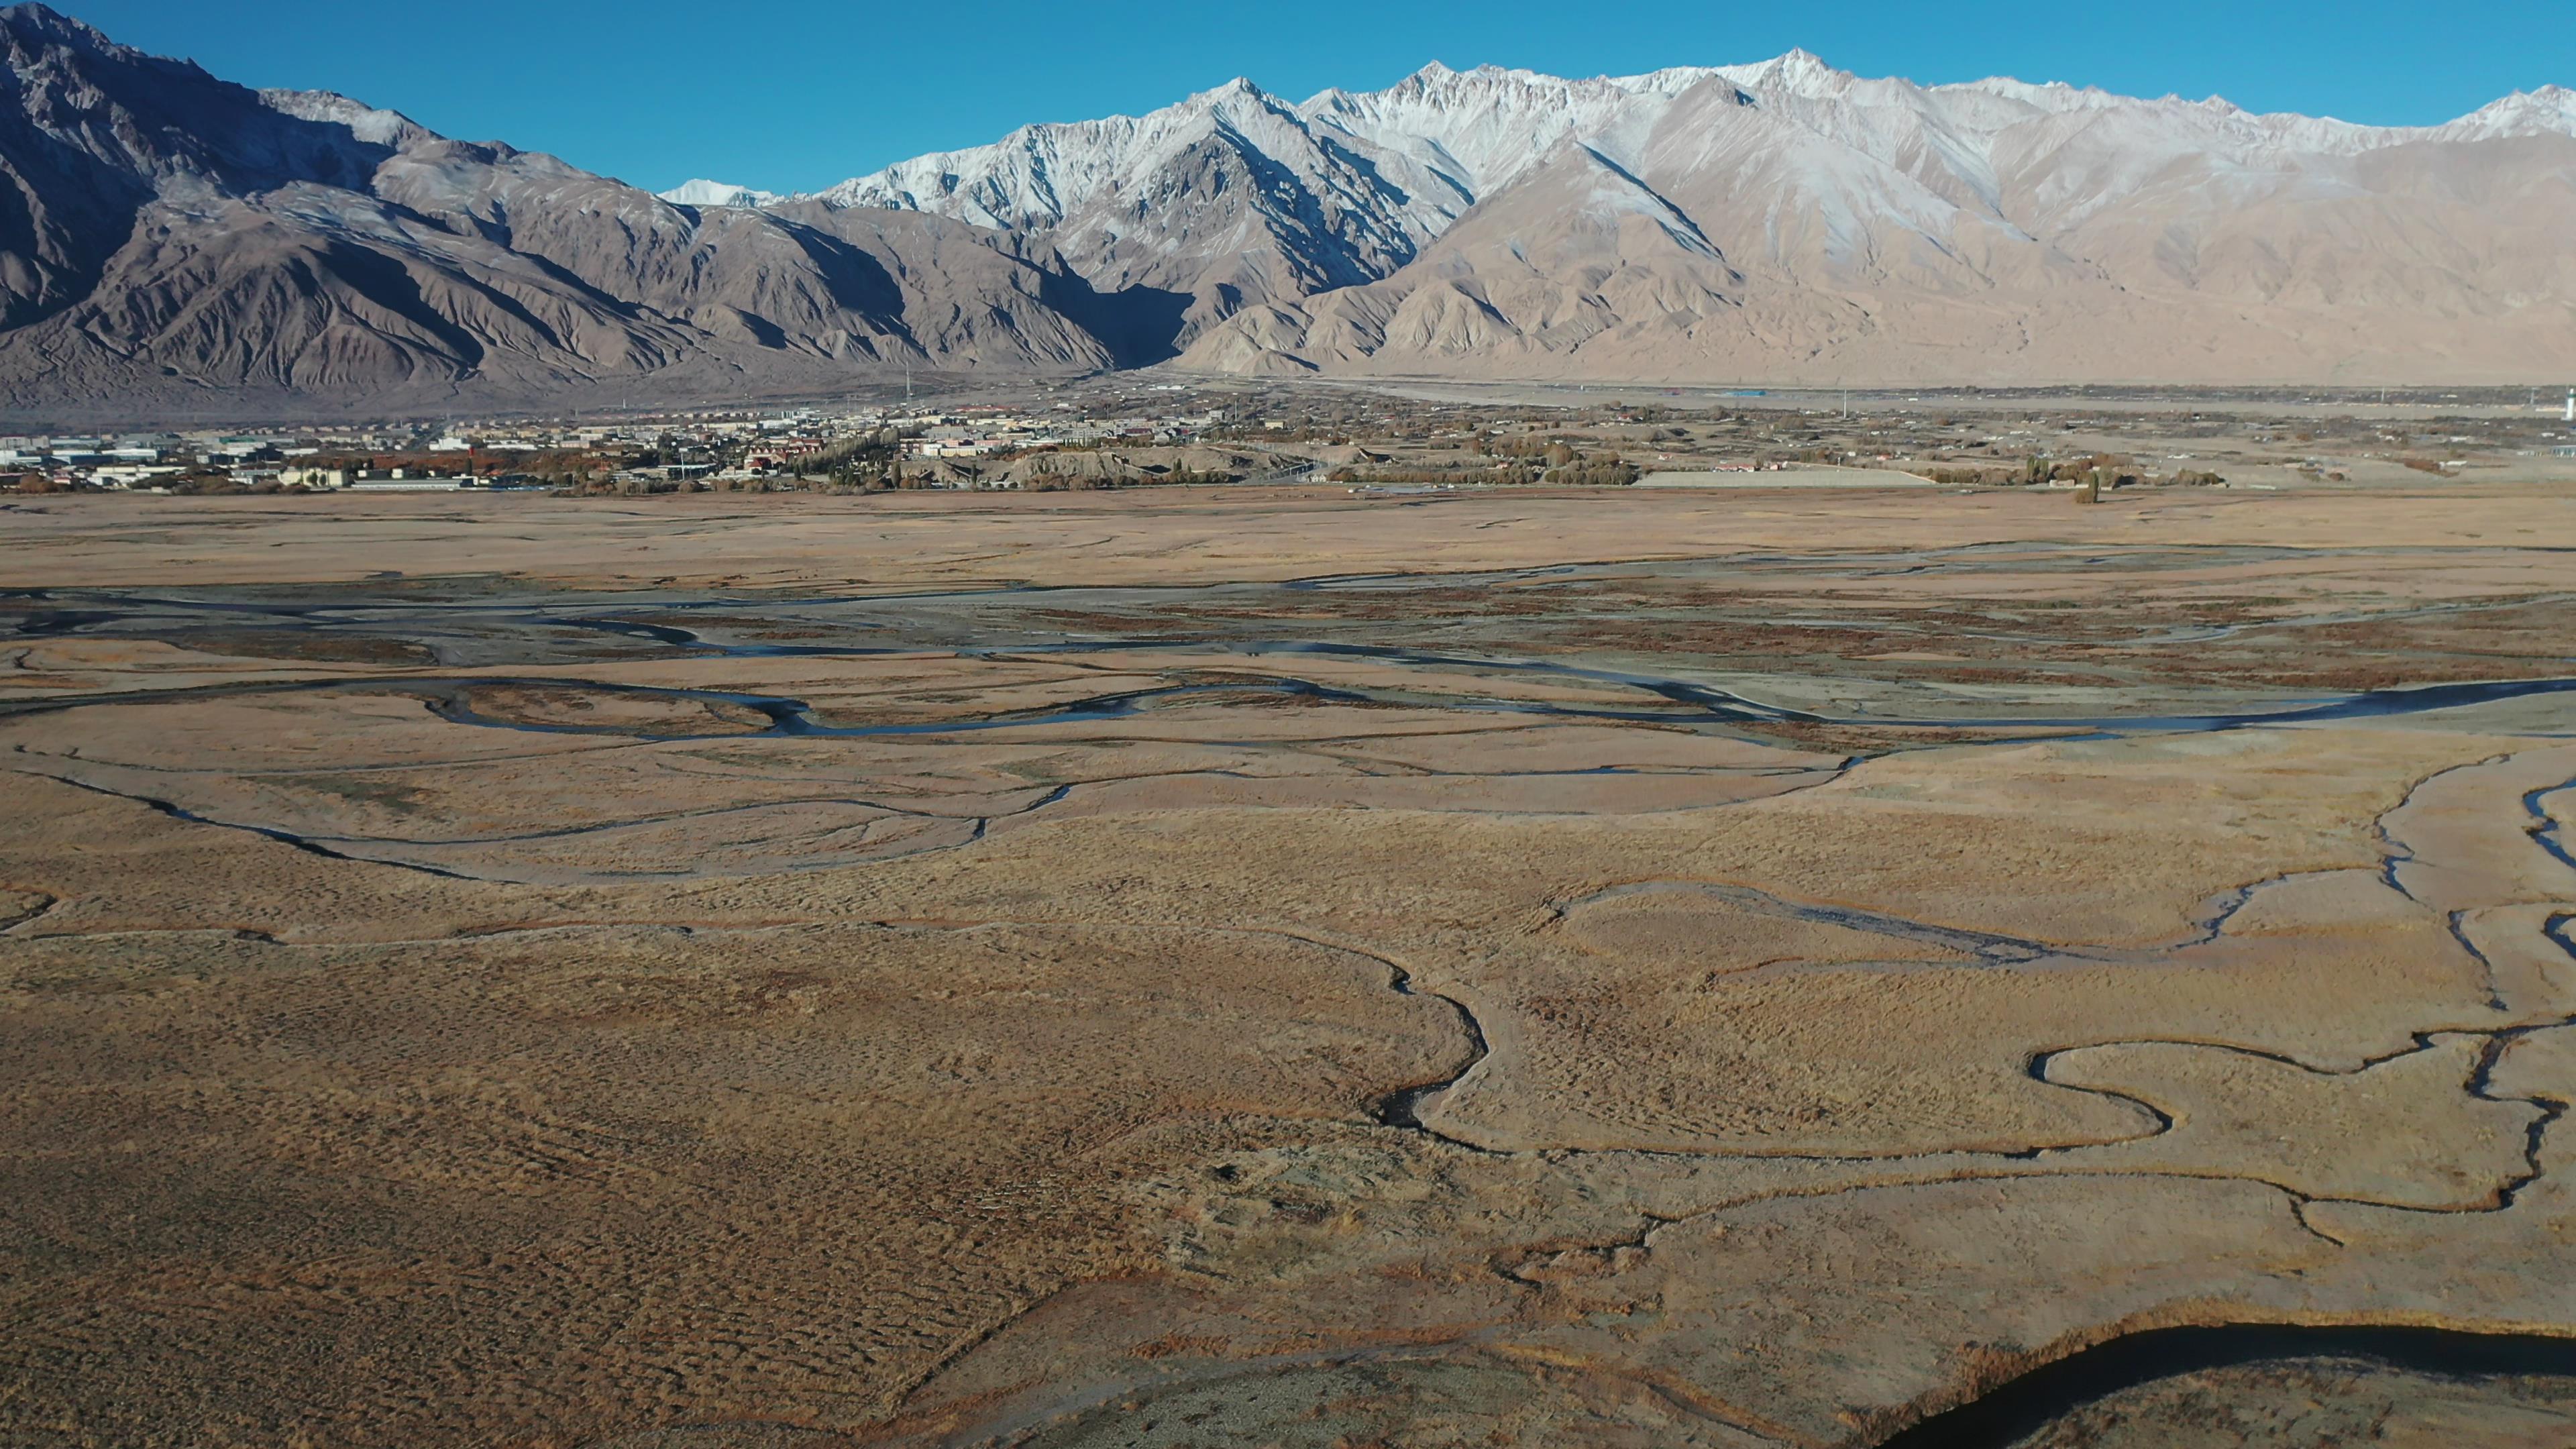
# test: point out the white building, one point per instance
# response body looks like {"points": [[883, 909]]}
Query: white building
{"points": [[129, 475]]}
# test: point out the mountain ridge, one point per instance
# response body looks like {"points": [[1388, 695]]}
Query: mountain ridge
{"points": [[2555, 103], [1987, 230], [172, 241]]}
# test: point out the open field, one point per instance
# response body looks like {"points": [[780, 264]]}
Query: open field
{"points": [[1272, 966]]}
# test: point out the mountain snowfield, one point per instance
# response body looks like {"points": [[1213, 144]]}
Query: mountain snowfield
{"points": [[170, 241]]}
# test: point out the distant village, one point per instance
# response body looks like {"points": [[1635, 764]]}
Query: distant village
{"points": [[956, 447], [1128, 436]]}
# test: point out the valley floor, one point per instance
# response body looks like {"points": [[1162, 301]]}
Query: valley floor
{"points": [[1272, 966]]}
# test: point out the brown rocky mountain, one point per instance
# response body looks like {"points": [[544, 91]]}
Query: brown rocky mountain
{"points": [[174, 242]]}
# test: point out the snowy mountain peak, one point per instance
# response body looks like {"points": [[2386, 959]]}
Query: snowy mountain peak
{"points": [[1799, 73], [1239, 88], [701, 192], [2055, 96], [2548, 111]]}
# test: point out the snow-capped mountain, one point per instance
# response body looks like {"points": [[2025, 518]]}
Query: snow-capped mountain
{"points": [[1235, 196], [1859, 211]]}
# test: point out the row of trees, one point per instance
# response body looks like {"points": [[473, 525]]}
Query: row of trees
{"points": [[862, 459], [1477, 476], [1610, 472], [1554, 452], [2096, 470], [1607, 471]]}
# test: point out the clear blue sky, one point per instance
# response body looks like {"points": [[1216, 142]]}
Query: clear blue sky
{"points": [[796, 94]]}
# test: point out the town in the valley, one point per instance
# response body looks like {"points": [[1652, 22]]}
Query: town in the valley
{"points": [[1102, 435]]}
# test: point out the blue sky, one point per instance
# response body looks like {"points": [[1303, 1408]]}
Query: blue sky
{"points": [[797, 94]]}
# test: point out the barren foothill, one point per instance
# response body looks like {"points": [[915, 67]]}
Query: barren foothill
{"points": [[1259, 965]]}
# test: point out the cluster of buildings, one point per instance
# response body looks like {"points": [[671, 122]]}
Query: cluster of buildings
{"points": [[131, 460], [690, 449], [981, 432], [168, 462]]}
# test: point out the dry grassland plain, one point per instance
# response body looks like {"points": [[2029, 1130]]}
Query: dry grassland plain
{"points": [[1230, 967]]}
